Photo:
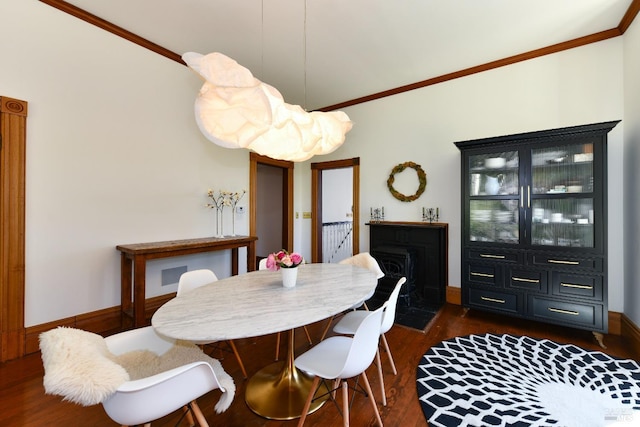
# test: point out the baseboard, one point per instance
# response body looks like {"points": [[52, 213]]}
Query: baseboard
{"points": [[100, 322], [615, 327], [454, 295], [631, 332]]}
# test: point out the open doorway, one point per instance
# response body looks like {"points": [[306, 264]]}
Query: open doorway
{"points": [[345, 234], [270, 204]]}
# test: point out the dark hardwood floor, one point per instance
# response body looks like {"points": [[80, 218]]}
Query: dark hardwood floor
{"points": [[23, 402]]}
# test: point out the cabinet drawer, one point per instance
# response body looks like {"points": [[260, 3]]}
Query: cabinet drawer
{"points": [[529, 280], [501, 301], [588, 316], [577, 285], [566, 262], [484, 274], [490, 254]]}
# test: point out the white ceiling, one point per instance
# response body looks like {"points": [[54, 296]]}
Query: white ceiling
{"points": [[323, 52]]}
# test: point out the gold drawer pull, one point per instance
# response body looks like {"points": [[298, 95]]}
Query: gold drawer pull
{"points": [[561, 261], [557, 310], [571, 285], [492, 256], [522, 279], [499, 301], [491, 276]]}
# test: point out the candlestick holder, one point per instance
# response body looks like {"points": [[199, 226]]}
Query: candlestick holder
{"points": [[431, 214], [377, 214]]}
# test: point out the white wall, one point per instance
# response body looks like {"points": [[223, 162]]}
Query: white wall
{"points": [[114, 156], [337, 192], [576, 87], [631, 201]]}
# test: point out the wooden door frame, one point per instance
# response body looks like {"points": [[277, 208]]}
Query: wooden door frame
{"points": [[287, 195], [13, 125], [316, 203]]}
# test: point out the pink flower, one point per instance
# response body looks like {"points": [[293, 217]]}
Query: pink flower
{"points": [[283, 259], [296, 258], [271, 262]]}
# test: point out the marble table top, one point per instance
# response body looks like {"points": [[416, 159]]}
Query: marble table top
{"points": [[256, 303]]}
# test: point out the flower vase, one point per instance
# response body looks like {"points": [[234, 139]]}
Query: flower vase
{"points": [[233, 221], [219, 229], [289, 277], [221, 222]]}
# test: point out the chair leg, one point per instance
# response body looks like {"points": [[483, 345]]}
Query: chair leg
{"points": [[307, 404], [345, 403], [235, 351], [326, 329], [202, 421], [379, 364], [386, 348], [372, 399], [189, 416], [277, 346], [336, 384], [306, 331]]}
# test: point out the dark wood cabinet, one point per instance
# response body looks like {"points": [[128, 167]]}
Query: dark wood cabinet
{"points": [[534, 225]]}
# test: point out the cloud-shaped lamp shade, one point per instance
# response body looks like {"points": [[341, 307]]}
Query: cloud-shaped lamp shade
{"points": [[235, 110]]}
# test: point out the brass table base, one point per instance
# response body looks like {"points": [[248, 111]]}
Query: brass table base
{"points": [[279, 391]]}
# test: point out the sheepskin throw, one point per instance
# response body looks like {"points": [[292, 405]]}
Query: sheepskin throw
{"points": [[145, 363], [365, 260], [80, 368]]}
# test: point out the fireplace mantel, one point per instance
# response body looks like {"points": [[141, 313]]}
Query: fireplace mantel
{"points": [[428, 243]]}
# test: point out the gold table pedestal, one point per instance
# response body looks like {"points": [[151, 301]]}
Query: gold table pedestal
{"points": [[280, 390]]}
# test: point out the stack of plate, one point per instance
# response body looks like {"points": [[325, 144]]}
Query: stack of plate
{"points": [[503, 216], [482, 215]]}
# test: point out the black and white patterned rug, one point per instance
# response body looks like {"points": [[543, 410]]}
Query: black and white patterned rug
{"points": [[506, 380]]}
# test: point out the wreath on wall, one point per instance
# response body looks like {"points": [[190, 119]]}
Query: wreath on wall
{"points": [[422, 179]]}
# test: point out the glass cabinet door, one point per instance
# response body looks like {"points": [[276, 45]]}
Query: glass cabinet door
{"points": [[494, 221], [561, 196], [562, 222], [494, 174], [562, 169], [494, 182]]}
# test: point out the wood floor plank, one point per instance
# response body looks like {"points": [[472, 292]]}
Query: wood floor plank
{"points": [[24, 404]]}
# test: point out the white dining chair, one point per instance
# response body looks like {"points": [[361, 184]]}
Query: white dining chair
{"points": [[339, 358], [349, 324], [364, 260], [262, 265], [88, 369], [194, 279]]}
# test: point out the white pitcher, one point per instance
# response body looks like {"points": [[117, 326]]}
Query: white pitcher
{"points": [[493, 184]]}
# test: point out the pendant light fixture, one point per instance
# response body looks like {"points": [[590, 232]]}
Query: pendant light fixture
{"points": [[235, 110]]}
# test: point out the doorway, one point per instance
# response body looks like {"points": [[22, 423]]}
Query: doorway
{"points": [[270, 204], [318, 202]]}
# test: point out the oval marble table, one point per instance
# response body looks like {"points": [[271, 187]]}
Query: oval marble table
{"points": [[256, 303]]}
